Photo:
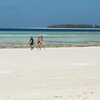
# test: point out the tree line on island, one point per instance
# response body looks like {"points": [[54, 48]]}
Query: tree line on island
{"points": [[74, 26]]}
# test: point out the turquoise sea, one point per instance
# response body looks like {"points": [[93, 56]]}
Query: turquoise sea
{"points": [[51, 37]]}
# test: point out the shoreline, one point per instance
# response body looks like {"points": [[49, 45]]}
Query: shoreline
{"points": [[51, 45]]}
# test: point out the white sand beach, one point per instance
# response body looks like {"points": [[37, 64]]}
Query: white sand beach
{"points": [[50, 74]]}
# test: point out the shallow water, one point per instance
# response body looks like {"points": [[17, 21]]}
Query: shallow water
{"points": [[51, 37]]}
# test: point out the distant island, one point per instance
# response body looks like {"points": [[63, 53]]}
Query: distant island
{"points": [[74, 26], [63, 27]]}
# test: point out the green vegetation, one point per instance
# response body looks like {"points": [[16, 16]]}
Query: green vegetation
{"points": [[74, 26]]}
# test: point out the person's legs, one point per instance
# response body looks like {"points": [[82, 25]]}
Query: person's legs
{"points": [[32, 47], [38, 45], [42, 45]]}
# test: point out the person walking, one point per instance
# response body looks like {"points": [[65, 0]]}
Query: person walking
{"points": [[31, 42], [40, 42]]}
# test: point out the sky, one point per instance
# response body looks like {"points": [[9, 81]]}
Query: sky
{"points": [[42, 13]]}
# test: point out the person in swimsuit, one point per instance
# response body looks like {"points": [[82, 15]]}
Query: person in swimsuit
{"points": [[40, 42], [31, 42]]}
